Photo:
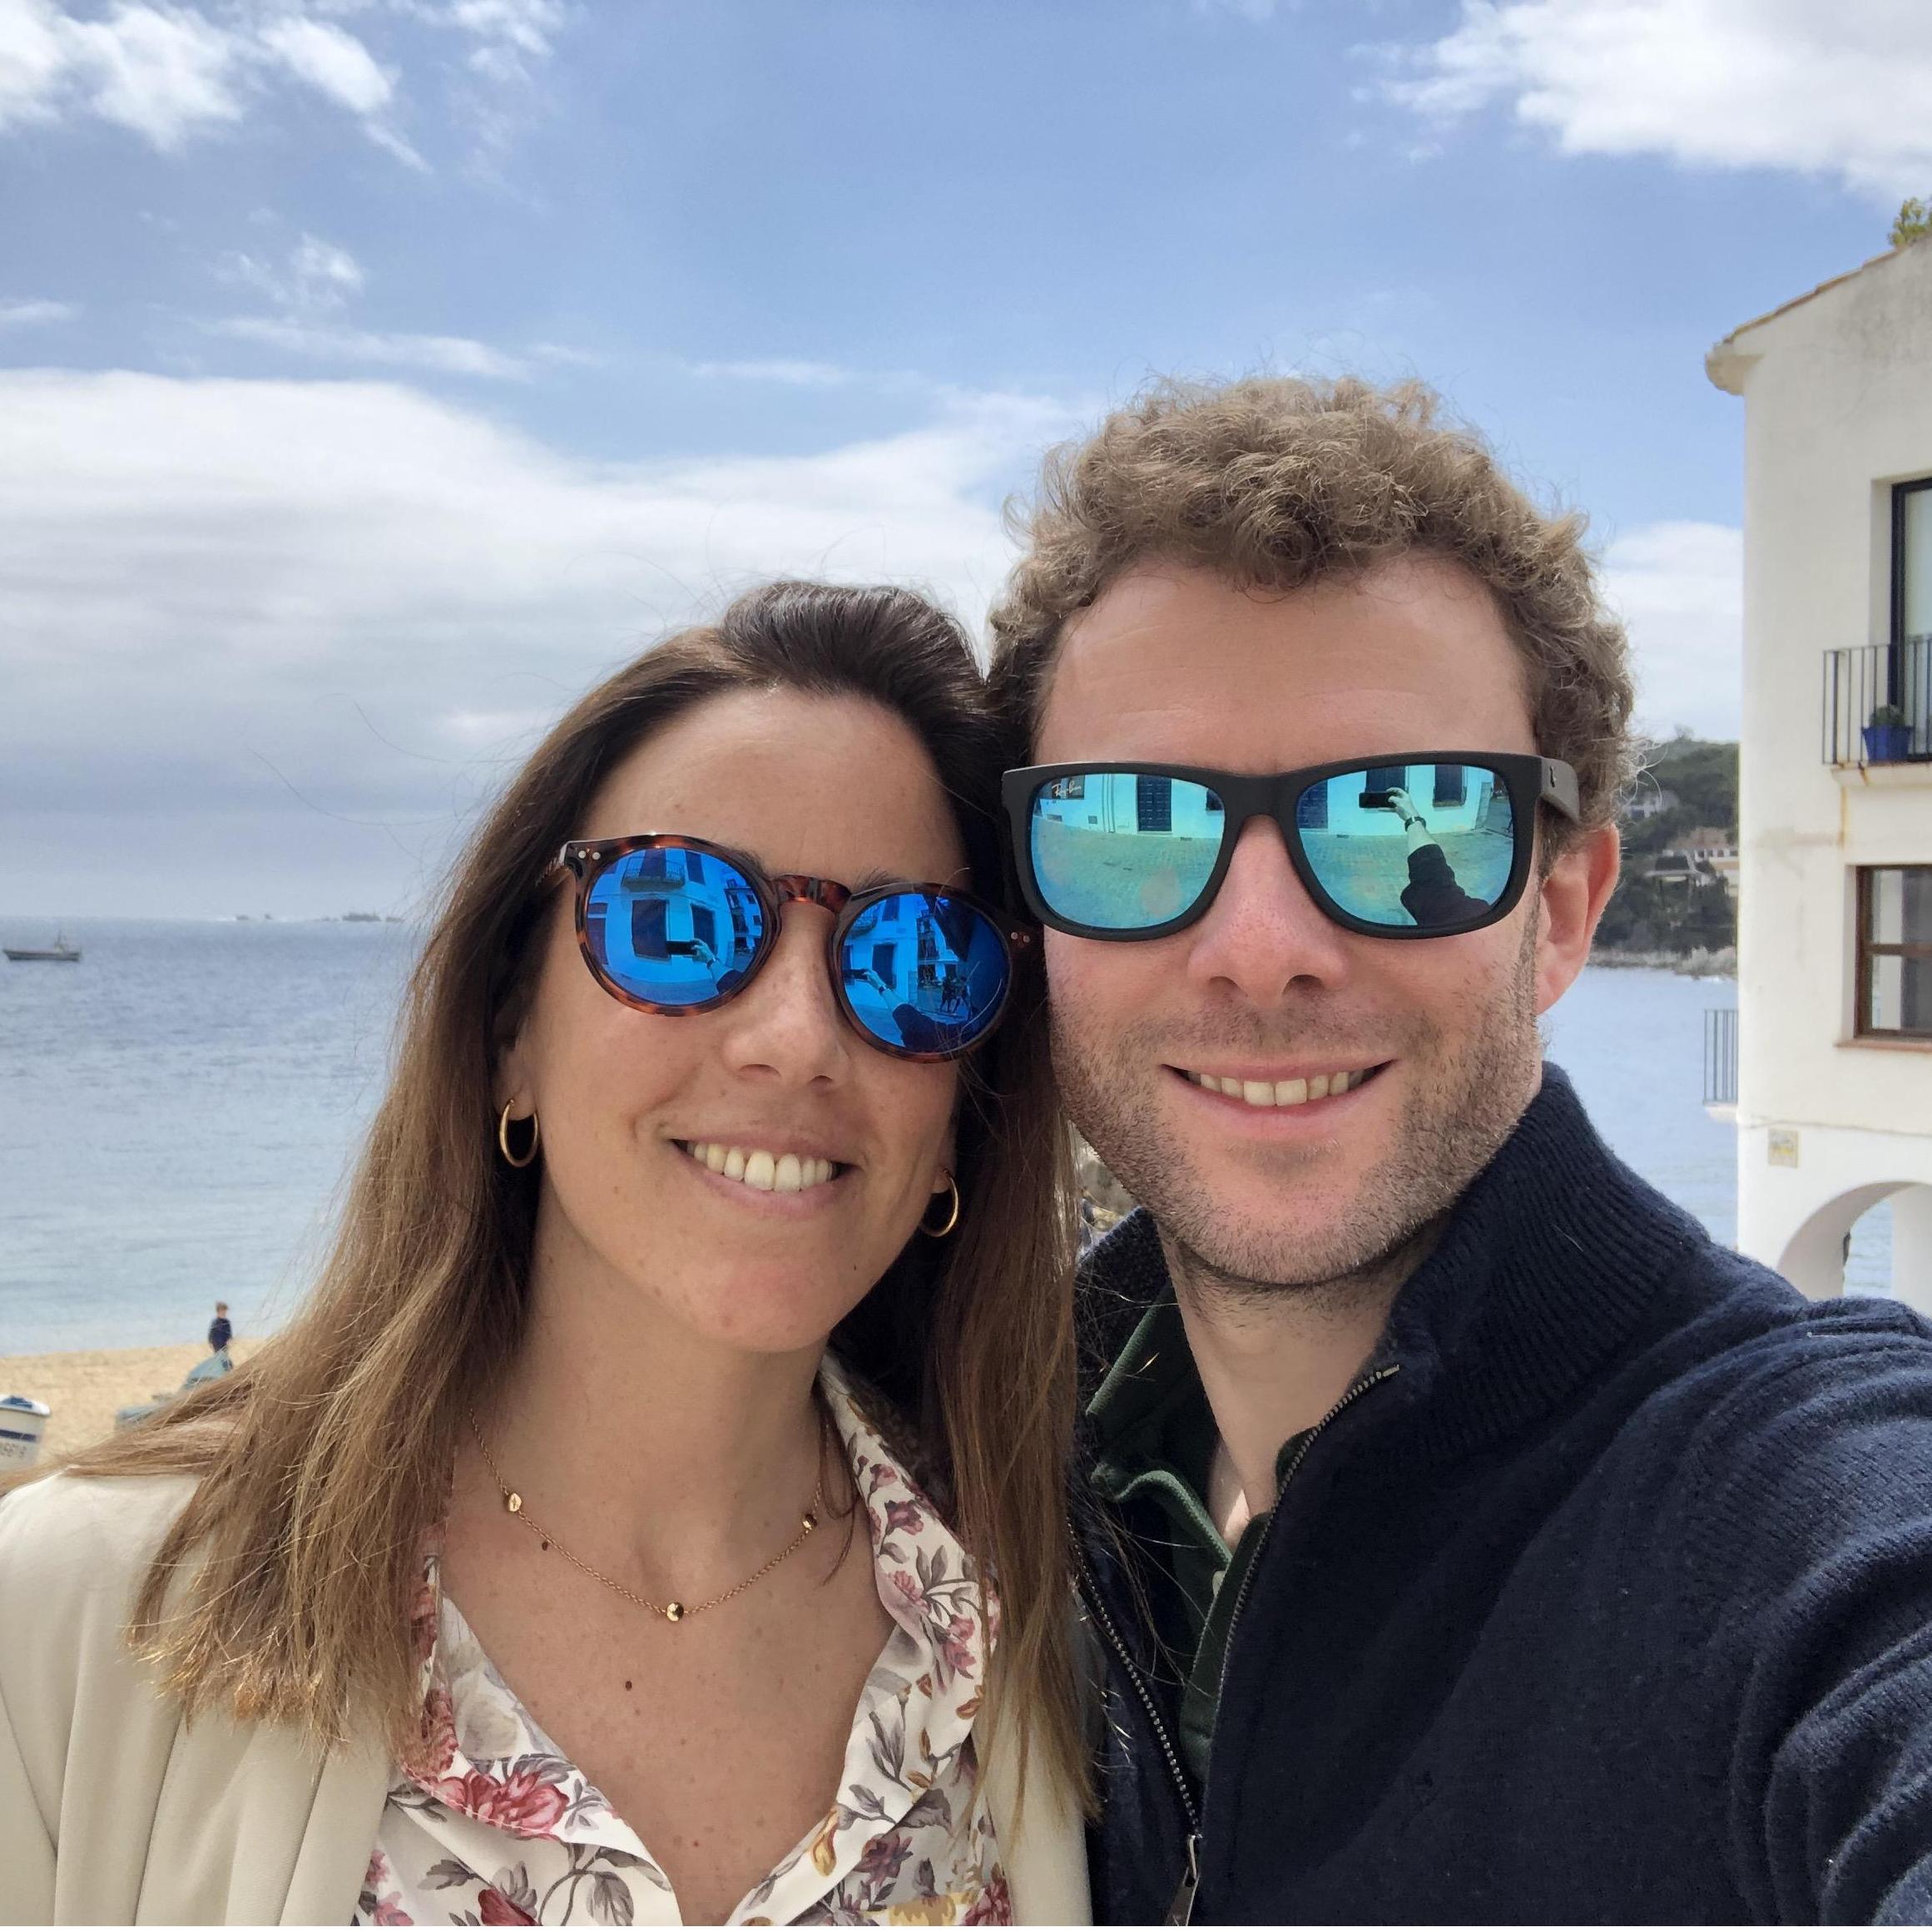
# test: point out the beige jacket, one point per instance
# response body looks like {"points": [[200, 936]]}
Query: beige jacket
{"points": [[112, 1811]]}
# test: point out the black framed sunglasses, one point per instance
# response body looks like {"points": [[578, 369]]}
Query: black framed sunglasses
{"points": [[671, 924], [1413, 846]]}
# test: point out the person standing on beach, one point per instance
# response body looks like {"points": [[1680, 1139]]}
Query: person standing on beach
{"points": [[220, 1334], [656, 1516], [1469, 1536]]}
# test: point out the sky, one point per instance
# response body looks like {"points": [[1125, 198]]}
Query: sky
{"points": [[376, 374]]}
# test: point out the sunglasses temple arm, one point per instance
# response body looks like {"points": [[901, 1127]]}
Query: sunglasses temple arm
{"points": [[1559, 789]]}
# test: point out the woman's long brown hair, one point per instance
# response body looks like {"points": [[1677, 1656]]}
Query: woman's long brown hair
{"points": [[284, 1589]]}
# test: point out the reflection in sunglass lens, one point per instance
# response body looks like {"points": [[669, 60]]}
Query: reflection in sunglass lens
{"points": [[923, 972], [1122, 849], [1409, 846], [673, 926]]}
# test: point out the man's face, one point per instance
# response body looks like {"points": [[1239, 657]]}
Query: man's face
{"points": [[1174, 665]]}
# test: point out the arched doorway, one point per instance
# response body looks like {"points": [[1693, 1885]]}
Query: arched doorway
{"points": [[1814, 1258]]}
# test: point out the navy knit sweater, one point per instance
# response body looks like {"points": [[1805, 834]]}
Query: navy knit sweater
{"points": [[1608, 1597]]}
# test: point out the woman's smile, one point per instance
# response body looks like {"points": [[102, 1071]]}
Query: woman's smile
{"points": [[759, 1171]]}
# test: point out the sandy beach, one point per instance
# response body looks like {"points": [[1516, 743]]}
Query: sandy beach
{"points": [[83, 1387]]}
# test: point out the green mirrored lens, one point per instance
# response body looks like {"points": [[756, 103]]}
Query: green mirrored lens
{"points": [[1118, 850]]}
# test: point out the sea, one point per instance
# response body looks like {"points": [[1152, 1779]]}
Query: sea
{"points": [[178, 1112]]}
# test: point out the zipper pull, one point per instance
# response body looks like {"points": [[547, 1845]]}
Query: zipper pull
{"points": [[1181, 1911]]}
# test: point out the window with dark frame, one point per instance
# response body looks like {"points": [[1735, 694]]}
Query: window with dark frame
{"points": [[1911, 559], [1153, 803], [1908, 672], [1894, 952]]}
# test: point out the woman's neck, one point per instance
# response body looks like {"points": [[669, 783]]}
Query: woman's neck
{"points": [[665, 1449]]}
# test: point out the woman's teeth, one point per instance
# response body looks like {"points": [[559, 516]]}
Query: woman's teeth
{"points": [[769, 1173], [1282, 1092]]}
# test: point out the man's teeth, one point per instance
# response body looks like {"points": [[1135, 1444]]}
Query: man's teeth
{"points": [[1282, 1092], [769, 1173]]}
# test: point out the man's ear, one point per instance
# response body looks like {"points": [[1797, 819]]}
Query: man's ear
{"points": [[1568, 904]]}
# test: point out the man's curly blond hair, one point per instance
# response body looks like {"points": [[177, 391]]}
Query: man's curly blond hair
{"points": [[1277, 484]]}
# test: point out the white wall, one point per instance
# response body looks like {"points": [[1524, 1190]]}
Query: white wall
{"points": [[1838, 405]]}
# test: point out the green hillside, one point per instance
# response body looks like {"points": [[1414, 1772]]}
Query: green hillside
{"points": [[1667, 914]]}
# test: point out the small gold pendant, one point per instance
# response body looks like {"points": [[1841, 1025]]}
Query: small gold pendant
{"points": [[512, 1502], [811, 1523], [673, 1612]]}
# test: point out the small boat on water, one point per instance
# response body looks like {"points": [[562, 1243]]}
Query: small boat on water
{"points": [[60, 952]]}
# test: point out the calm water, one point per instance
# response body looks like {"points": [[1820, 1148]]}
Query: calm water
{"points": [[176, 1113]]}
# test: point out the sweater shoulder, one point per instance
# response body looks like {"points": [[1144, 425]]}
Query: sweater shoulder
{"points": [[1785, 1430], [1751, 1349]]}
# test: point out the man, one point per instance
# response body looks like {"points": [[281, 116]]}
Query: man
{"points": [[220, 1334], [1469, 1537]]}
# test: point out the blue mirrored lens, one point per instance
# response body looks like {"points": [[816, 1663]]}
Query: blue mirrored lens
{"points": [[673, 926], [1122, 849], [923, 971], [1410, 845]]}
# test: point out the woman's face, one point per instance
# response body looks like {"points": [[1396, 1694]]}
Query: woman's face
{"points": [[835, 787]]}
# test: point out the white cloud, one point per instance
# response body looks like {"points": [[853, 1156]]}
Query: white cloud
{"points": [[795, 374], [30, 315], [318, 276], [339, 67], [524, 26], [321, 342], [164, 75], [1838, 89], [34, 60], [280, 583], [324, 273], [510, 42], [331, 61], [171, 72], [1679, 588]]}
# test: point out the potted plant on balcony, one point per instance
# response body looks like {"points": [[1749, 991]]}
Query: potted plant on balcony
{"points": [[1888, 736]]}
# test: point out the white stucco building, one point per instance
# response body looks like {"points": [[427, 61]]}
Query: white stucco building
{"points": [[1835, 987]]}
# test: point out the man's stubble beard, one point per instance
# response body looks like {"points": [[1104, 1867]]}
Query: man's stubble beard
{"points": [[1464, 1101]]}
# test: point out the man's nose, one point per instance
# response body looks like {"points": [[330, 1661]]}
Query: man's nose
{"points": [[1264, 935]]}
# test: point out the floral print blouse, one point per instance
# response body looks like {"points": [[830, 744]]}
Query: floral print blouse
{"points": [[494, 1826]]}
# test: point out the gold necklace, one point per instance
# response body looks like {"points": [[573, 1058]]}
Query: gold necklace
{"points": [[673, 1612]]}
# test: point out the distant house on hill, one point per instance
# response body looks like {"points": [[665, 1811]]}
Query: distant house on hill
{"points": [[1835, 984], [1715, 848], [1710, 842], [1651, 804], [1686, 869]]}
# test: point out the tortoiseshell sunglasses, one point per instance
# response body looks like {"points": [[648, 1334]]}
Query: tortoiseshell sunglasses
{"points": [[671, 924]]}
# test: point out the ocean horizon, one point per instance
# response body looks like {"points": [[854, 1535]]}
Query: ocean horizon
{"points": [[182, 1107]]}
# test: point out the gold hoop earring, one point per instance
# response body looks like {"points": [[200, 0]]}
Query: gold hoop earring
{"points": [[939, 1234], [503, 1136]]}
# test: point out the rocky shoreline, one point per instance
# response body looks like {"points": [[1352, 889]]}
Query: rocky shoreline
{"points": [[1698, 963]]}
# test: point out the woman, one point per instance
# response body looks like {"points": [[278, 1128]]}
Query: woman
{"points": [[604, 1541]]}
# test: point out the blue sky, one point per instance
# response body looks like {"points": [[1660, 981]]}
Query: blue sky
{"points": [[375, 374]]}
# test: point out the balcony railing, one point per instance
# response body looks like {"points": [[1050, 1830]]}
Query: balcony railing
{"points": [[1878, 703], [1721, 1056]]}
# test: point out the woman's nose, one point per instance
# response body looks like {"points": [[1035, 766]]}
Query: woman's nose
{"points": [[787, 1023]]}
